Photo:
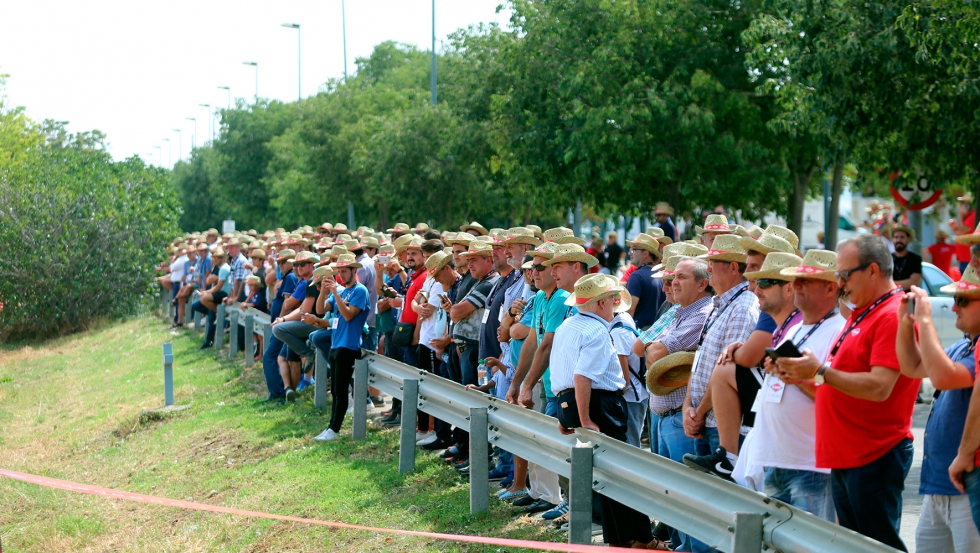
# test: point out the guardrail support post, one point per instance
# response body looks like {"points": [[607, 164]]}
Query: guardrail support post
{"points": [[360, 396], [164, 301], [320, 381], [410, 411], [479, 484], [219, 328], [747, 532], [197, 321], [232, 334], [188, 316], [580, 496], [266, 334], [168, 374], [249, 339]]}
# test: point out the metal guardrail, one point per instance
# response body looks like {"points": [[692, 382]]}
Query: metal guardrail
{"points": [[719, 513]]}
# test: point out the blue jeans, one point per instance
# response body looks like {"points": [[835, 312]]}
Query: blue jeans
{"points": [[637, 413], [551, 407], [322, 340], [673, 444], [174, 290], [209, 319], [807, 490], [972, 481], [468, 360], [270, 368], [505, 461], [869, 498], [294, 335], [710, 442]]}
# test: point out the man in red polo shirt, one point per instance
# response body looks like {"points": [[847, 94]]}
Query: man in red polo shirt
{"points": [[963, 224], [863, 402]]}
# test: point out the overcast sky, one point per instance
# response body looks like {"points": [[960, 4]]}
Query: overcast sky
{"points": [[137, 70]]}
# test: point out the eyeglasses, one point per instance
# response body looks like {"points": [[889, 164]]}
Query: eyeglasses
{"points": [[301, 264], [539, 268], [766, 283], [962, 301], [846, 275]]}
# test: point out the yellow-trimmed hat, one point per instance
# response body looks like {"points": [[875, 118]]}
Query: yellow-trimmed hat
{"points": [[571, 253], [592, 288], [817, 264], [726, 247], [773, 265], [670, 373]]}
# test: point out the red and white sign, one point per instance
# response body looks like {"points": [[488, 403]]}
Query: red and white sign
{"points": [[912, 193]]}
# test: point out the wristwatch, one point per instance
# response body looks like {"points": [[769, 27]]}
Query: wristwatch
{"points": [[818, 379]]}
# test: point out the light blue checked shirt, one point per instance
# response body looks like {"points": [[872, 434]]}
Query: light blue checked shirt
{"points": [[238, 270], [734, 324], [584, 347], [682, 334]]}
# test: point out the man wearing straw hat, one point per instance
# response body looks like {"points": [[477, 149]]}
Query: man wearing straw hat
{"points": [[714, 225], [644, 251], [907, 264], [588, 379], [946, 522], [662, 215]]}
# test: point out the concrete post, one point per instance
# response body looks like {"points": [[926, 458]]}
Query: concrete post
{"points": [[410, 406], [232, 334], [168, 374], [359, 430], [249, 339], [580, 496], [219, 327], [320, 381], [479, 483]]}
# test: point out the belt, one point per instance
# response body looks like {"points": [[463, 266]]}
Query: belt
{"points": [[594, 391], [670, 413]]}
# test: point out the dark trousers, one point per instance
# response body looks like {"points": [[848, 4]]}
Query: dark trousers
{"points": [[270, 368], [429, 361], [209, 317], [467, 361], [608, 410], [869, 498], [341, 375]]}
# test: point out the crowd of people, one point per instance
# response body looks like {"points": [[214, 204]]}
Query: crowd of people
{"points": [[733, 353]]}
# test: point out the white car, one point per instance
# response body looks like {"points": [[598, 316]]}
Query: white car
{"points": [[942, 304]]}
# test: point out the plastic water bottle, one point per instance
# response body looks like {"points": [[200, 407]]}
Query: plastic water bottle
{"points": [[481, 372]]}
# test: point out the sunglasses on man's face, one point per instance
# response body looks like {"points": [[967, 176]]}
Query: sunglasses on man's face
{"points": [[539, 268], [301, 264], [962, 301], [845, 275], [767, 283]]}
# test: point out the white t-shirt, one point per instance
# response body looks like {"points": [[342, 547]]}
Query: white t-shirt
{"points": [[177, 269], [785, 430], [435, 326], [623, 338]]}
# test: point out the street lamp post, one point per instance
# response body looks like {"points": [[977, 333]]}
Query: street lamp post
{"points": [[210, 131], [180, 144], [160, 154], [343, 26], [193, 136], [168, 152], [433, 52], [254, 64], [299, 65], [228, 88]]}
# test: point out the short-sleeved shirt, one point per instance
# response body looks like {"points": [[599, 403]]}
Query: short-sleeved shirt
{"points": [[300, 292], [526, 319], [549, 314], [623, 332], [945, 428], [613, 254], [766, 323], [963, 250], [435, 326], [223, 272], [852, 432], [941, 254], [489, 346], [408, 315], [582, 347], [366, 276], [286, 288], [238, 270], [468, 329], [681, 334], [347, 335], [647, 295], [906, 266], [668, 228]]}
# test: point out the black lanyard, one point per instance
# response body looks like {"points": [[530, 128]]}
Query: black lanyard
{"points": [[860, 318], [778, 335], [812, 329], [717, 313]]}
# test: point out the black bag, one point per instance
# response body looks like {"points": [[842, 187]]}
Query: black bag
{"points": [[403, 335]]}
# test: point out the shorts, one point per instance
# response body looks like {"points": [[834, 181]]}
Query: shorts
{"points": [[219, 296], [749, 382]]}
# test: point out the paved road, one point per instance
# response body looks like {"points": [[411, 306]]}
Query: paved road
{"points": [[912, 501]]}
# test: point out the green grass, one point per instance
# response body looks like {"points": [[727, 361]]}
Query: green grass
{"points": [[71, 408]]}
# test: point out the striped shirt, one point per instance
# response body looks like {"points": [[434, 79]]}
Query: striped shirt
{"points": [[582, 346], [733, 319], [681, 334], [201, 268], [238, 270]]}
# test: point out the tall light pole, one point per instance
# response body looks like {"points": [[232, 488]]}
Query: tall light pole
{"points": [[299, 65], [180, 144], [168, 152], [256, 65], [433, 52], [228, 88], [210, 132], [159, 153], [343, 26], [193, 136]]}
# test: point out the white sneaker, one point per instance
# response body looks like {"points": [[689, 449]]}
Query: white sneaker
{"points": [[423, 436], [326, 436], [428, 440]]}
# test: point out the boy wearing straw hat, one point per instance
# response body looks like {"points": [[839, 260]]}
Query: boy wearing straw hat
{"points": [[946, 522], [588, 379]]}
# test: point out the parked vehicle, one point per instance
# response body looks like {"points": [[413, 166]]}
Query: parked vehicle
{"points": [[942, 304]]}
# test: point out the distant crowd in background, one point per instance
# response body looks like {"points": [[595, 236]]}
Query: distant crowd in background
{"points": [[734, 353]]}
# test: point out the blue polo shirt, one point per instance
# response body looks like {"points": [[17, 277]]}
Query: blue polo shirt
{"points": [[945, 428], [348, 333], [287, 288]]}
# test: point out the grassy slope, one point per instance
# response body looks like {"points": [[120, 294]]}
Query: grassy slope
{"points": [[70, 408]]}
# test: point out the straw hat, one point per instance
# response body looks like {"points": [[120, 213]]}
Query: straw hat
{"points": [[285, 255], [666, 271], [258, 253], [966, 198], [421, 227], [340, 228], [657, 233], [320, 272], [460, 238], [572, 253], [624, 300], [436, 262], [219, 252], [536, 230], [400, 228], [352, 245], [592, 288], [786, 234], [475, 227], [488, 239], [369, 242], [740, 231], [562, 235], [646, 242], [670, 373], [727, 247], [714, 223], [448, 235], [346, 260], [755, 231], [336, 252], [306, 257], [521, 235], [477, 247], [386, 249], [968, 286], [255, 281], [322, 244], [774, 263], [684, 248], [767, 243], [546, 251], [663, 208], [969, 239], [818, 264], [403, 241], [906, 230], [326, 226]]}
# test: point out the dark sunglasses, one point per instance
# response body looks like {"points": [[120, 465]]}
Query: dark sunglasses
{"points": [[539, 268], [767, 283], [846, 275], [962, 301], [302, 264]]}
